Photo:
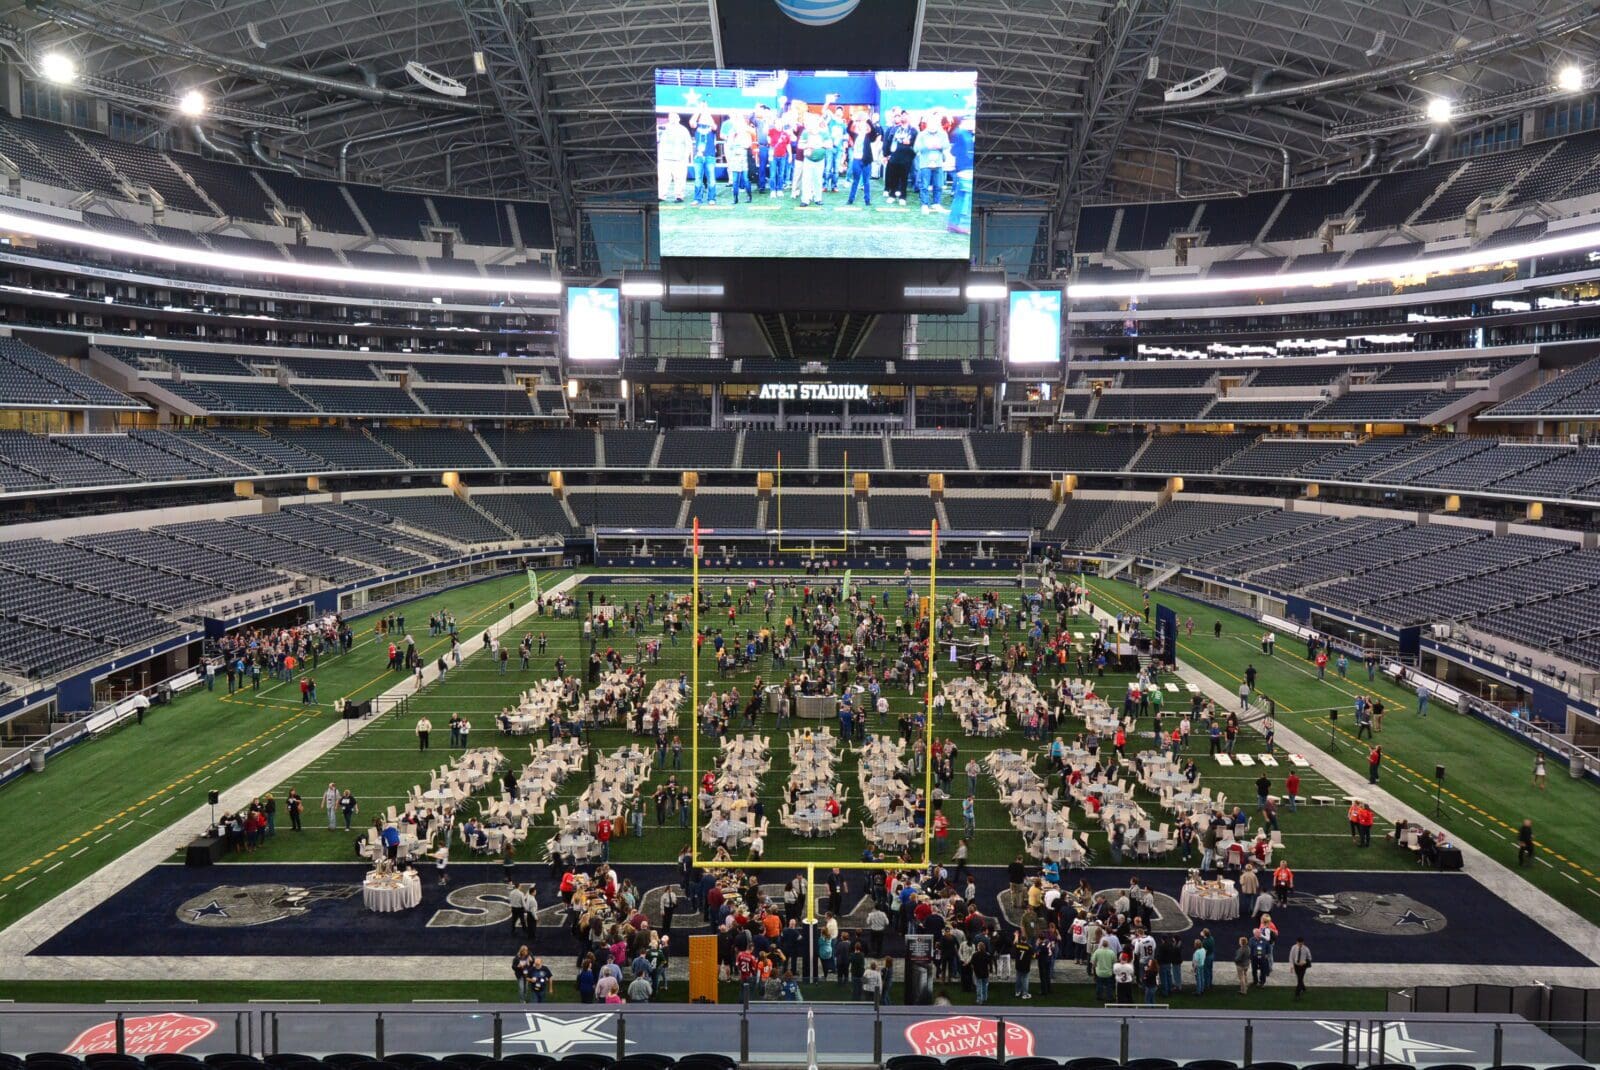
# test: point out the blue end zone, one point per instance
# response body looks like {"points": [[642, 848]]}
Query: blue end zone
{"points": [[316, 909]]}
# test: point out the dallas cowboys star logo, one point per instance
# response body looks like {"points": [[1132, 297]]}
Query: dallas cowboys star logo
{"points": [[1398, 1043], [212, 909], [548, 1034], [1411, 917]]}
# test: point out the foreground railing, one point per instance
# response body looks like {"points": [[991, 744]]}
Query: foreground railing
{"points": [[795, 1033]]}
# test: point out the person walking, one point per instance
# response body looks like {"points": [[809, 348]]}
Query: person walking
{"points": [[1538, 772], [1422, 699], [1374, 760], [1525, 842], [424, 728], [330, 803], [1241, 965], [1300, 962]]}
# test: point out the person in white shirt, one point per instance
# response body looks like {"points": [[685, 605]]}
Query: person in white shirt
{"points": [[1300, 962], [672, 159], [424, 727]]}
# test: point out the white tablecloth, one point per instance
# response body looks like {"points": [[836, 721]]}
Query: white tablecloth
{"points": [[386, 895], [1211, 904]]}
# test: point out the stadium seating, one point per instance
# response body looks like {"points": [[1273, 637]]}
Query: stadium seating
{"points": [[534, 515], [898, 512], [635, 510], [944, 454], [510, 403], [438, 447], [1189, 452], [440, 514], [718, 510], [1087, 523]]}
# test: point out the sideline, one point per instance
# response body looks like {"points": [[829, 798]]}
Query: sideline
{"points": [[54, 915], [1519, 894]]}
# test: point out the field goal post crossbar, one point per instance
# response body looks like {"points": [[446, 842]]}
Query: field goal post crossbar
{"points": [[809, 865], [812, 548]]}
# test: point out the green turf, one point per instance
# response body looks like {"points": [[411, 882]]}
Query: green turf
{"points": [[1278, 996], [102, 797], [778, 226], [1489, 786], [382, 762]]}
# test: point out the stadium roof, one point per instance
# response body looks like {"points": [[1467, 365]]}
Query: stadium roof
{"points": [[1072, 90]]}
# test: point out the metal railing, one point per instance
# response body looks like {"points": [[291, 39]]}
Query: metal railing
{"points": [[805, 1034]]}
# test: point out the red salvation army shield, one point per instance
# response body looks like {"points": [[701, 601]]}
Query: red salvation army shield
{"points": [[963, 1034], [155, 1034]]}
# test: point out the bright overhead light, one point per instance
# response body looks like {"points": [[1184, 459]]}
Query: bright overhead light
{"points": [[479, 63], [1440, 109], [1570, 78], [572, 388], [192, 104], [1565, 242], [986, 291], [16, 223], [58, 67], [643, 288]]}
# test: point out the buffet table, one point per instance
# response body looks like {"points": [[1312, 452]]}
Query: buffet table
{"points": [[387, 893], [1210, 900]]}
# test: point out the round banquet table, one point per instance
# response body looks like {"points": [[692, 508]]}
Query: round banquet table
{"points": [[1059, 848], [1210, 905], [392, 893]]}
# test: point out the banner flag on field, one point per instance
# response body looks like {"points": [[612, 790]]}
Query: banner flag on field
{"points": [[533, 585], [845, 595]]}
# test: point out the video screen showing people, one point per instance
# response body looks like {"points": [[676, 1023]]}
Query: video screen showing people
{"points": [[830, 164]]}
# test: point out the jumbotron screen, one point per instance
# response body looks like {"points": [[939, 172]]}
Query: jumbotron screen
{"points": [[816, 164]]}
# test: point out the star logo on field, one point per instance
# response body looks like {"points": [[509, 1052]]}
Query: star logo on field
{"points": [[548, 1034], [212, 909], [1395, 1037], [1411, 917]]}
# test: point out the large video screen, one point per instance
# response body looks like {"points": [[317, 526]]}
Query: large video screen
{"points": [[594, 323], [816, 164], [1033, 328]]}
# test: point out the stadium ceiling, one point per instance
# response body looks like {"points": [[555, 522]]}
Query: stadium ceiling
{"points": [[1072, 90]]}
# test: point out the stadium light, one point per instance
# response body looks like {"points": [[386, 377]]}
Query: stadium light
{"points": [[1570, 78], [16, 223], [645, 288], [192, 104], [1549, 245], [987, 286], [1440, 109], [572, 388], [58, 67]]}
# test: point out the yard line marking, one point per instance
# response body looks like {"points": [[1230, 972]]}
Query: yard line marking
{"points": [[57, 866], [104, 838], [80, 851], [1290, 663]]}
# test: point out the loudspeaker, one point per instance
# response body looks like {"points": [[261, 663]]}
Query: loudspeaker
{"points": [[212, 796], [1333, 714], [1438, 772]]}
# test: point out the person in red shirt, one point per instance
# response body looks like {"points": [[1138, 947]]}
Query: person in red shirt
{"points": [[305, 691], [833, 806], [1374, 759], [941, 832], [1322, 664], [1291, 790], [1283, 882], [1120, 740], [602, 832], [746, 966], [1365, 818], [778, 141]]}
